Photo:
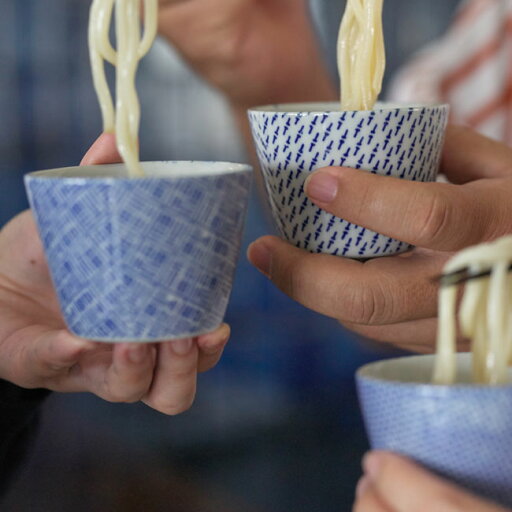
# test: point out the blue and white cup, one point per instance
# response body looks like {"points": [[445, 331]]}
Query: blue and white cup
{"points": [[461, 432], [142, 259], [294, 140]]}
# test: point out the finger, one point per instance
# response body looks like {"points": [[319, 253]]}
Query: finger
{"points": [[367, 499], [42, 357], [405, 487], [469, 156], [434, 215], [126, 374], [57, 351], [382, 291], [416, 336], [103, 151], [211, 347], [174, 384]]}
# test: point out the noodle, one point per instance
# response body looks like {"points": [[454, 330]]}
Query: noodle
{"points": [[485, 315], [125, 120], [361, 54]]}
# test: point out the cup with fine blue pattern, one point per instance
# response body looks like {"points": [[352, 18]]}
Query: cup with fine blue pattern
{"points": [[142, 259], [294, 140], [461, 432]]}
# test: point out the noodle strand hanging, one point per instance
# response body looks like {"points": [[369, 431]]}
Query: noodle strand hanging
{"points": [[485, 315], [361, 54], [124, 120]]}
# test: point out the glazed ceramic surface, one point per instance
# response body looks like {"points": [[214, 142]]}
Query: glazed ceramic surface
{"points": [[294, 140], [142, 259], [462, 432]]}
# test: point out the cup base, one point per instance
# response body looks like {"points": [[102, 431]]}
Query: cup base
{"points": [[158, 339]]}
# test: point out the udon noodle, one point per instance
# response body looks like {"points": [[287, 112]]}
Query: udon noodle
{"points": [[485, 315], [361, 54], [125, 119]]}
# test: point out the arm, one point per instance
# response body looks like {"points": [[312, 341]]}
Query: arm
{"points": [[254, 51]]}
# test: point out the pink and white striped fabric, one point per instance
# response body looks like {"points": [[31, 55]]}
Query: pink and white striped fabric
{"points": [[470, 68]]}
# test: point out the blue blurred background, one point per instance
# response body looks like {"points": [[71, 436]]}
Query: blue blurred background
{"points": [[275, 426]]}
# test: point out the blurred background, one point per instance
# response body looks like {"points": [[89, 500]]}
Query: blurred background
{"points": [[275, 426]]}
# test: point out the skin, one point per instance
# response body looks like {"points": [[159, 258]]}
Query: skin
{"points": [[37, 351], [237, 46], [394, 484], [394, 299], [255, 52]]}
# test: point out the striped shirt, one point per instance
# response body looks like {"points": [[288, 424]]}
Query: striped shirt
{"points": [[470, 68]]}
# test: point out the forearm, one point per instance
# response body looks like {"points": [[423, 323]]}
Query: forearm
{"points": [[255, 52]]}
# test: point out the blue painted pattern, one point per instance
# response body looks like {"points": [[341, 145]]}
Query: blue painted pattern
{"points": [[403, 142], [142, 259], [462, 432]]}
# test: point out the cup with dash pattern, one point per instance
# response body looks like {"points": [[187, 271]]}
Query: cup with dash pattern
{"points": [[292, 140], [142, 259]]}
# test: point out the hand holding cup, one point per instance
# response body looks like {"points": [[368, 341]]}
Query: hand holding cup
{"points": [[394, 299], [38, 350]]}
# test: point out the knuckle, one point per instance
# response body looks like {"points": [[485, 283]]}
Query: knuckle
{"points": [[435, 214], [288, 276], [371, 305]]}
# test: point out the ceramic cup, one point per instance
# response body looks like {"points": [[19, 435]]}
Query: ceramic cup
{"points": [[142, 259], [294, 140], [462, 432]]}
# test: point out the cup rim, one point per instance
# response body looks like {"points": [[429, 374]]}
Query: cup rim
{"points": [[174, 169], [326, 107], [366, 374]]}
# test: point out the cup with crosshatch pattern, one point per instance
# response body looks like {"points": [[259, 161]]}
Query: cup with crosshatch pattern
{"points": [[294, 140], [462, 432], [142, 259]]}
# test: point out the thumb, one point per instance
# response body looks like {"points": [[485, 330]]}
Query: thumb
{"points": [[103, 151], [436, 216]]}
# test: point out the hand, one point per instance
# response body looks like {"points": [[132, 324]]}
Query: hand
{"points": [[254, 51], [36, 349], [394, 299], [393, 484]]}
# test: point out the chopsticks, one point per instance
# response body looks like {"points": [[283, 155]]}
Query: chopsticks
{"points": [[462, 276]]}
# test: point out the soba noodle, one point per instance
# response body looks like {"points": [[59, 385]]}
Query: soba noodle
{"points": [[485, 315], [361, 54], [125, 120]]}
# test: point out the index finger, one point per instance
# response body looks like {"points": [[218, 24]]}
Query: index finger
{"points": [[103, 151]]}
